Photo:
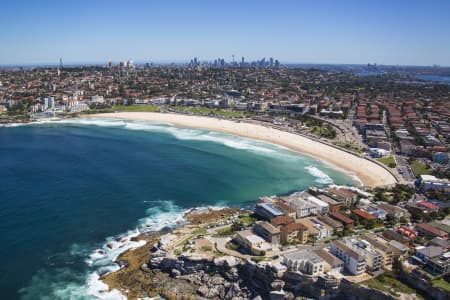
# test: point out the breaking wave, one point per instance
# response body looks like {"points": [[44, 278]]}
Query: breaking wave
{"points": [[67, 283], [321, 177]]}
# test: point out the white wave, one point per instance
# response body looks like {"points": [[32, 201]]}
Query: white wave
{"points": [[97, 288], [179, 133], [321, 177], [165, 215]]}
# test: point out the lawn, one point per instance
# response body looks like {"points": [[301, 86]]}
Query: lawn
{"points": [[324, 130], [227, 231], [442, 284], [212, 111], [388, 161], [247, 220], [135, 108], [419, 168], [388, 283]]}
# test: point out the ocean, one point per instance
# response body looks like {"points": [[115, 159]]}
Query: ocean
{"points": [[69, 188]]}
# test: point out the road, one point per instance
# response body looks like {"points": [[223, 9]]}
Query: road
{"points": [[404, 169]]}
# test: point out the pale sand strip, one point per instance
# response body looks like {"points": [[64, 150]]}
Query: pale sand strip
{"points": [[369, 173]]}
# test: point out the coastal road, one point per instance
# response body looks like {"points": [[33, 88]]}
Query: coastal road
{"points": [[404, 169]]}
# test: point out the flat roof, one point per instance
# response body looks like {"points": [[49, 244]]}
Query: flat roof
{"points": [[271, 209], [332, 260], [304, 255], [268, 227]]}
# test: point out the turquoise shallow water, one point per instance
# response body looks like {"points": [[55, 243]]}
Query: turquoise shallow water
{"points": [[68, 188]]}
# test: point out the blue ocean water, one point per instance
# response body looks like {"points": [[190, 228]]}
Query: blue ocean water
{"points": [[69, 188], [434, 78]]}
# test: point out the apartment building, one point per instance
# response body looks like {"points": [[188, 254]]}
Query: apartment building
{"points": [[354, 262]]}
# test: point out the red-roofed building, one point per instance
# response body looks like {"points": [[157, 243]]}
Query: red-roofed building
{"points": [[294, 233], [408, 232], [429, 230], [342, 218], [428, 205], [282, 221], [363, 214]]}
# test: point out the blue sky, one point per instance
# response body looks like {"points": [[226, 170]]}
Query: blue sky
{"points": [[385, 32]]}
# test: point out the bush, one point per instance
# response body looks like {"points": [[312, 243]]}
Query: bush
{"points": [[206, 248]]}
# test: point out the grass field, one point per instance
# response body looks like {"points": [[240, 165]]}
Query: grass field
{"points": [[135, 108], [387, 283], [441, 284], [419, 168], [388, 161], [212, 111]]}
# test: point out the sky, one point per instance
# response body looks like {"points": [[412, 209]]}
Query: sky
{"points": [[400, 32]]}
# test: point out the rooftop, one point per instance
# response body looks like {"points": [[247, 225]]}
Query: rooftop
{"points": [[329, 258], [271, 209], [341, 217], [268, 227], [363, 214], [304, 255]]}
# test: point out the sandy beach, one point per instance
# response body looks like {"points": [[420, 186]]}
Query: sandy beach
{"points": [[371, 174]]}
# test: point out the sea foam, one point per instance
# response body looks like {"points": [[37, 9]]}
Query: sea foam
{"points": [[321, 177]]}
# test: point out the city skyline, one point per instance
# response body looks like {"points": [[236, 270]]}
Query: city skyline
{"points": [[400, 33]]}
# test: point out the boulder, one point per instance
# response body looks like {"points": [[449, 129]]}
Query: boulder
{"points": [[175, 273], [233, 291], [232, 274]]}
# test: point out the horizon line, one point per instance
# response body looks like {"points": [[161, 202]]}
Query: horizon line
{"points": [[186, 61]]}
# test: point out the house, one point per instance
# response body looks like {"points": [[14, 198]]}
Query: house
{"points": [[305, 262], [398, 248], [379, 153], [394, 211], [407, 232], [321, 206], [286, 209], [303, 208], [430, 207], [333, 205], [317, 228], [423, 254], [439, 265], [267, 211], [440, 157], [332, 263], [342, 218], [336, 225], [363, 215], [294, 233], [252, 243], [354, 263], [437, 241], [282, 221], [430, 182], [342, 195], [431, 231], [390, 234], [268, 232], [376, 211]]}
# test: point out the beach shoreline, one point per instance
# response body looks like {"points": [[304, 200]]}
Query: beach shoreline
{"points": [[368, 172]]}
